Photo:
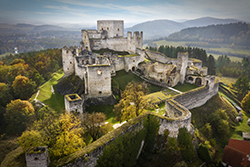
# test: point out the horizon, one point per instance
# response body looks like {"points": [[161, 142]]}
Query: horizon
{"points": [[80, 12]]}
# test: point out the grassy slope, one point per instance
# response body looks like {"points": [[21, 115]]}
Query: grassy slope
{"points": [[227, 80], [185, 87], [201, 114], [55, 101]]}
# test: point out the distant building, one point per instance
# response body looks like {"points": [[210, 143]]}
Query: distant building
{"points": [[237, 153], [15, 50]]}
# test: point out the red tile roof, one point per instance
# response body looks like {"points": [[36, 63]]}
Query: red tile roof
{"points": [[241, 145], [235, 158]]}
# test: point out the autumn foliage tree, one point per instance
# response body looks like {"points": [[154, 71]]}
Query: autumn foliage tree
{"points": [[18, 114], [93, 124], [23, 87], [132, 103]]}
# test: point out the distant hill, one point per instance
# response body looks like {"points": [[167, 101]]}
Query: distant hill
{"points": [[162, 28], [156, 28], [48, 28], [205, 21], [237, 33]]}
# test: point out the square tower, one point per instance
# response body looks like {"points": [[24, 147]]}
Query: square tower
{"points": [[114, 28], [37, 156], [73, 102]]}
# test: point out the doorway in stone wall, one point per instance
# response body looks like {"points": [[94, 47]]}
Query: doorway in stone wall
{"points": [[133, 68], [198, 81]]}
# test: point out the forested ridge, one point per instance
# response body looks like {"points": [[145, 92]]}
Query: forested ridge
{"points": [[233, 33]]}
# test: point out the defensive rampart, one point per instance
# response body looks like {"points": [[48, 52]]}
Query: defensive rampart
{"points": [[177, 116]]}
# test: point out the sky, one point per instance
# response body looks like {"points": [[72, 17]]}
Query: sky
{"points": [[87, 12]]}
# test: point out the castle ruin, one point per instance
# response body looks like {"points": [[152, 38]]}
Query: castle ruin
{"points": [[96, 69]]}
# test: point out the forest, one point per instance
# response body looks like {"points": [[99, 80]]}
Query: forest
{"points": [[233, 34]]}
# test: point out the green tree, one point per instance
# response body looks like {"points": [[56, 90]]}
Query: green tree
{"points": [[5, 94], [132, 103], [242, 86], [246, 67], [17, 116], [203, 153], [207, 130], [185, 144], [211, 65], [23, 87], [246, 102], [93, 124], [219, 122]]}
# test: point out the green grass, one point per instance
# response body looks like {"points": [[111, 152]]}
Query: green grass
{"points": [[154, 97], [54, 101], [185, 87], [227, 80], [122, 78]]}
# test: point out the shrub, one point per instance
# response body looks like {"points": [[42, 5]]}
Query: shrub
{"points": [[203, 153], [186, 146]]}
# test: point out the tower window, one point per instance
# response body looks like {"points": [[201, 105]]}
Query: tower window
{"points": [[100, 92], [118, 29], [99, 72], [107, 28]]}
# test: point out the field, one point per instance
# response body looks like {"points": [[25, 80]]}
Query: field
{"points": [[2, 55], [219, 49], [55, 101], [227, 80]]}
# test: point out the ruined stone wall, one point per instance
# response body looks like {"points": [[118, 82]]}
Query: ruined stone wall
{"points": [[99, 80], [115, 28], [37, 159], [182, 61], [68, 60], [118, 63], [197, 97], [132, 62], [157, 56], [118, 44], [89, 155]]}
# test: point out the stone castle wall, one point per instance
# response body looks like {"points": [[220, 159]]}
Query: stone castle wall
{"points": [[99, 81], [197, 97], [89, 155], [177, 116]]}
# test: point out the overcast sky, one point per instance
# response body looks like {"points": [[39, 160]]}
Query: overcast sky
{"points": [[131, 11]]}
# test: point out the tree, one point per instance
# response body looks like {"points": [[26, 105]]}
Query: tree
{"points": [[211, 65], [30, 139], [132, 103], [246, 102], [207, 130], [203, 153], [93, 122], [69, 138], [186, 146], [17, 116], [23, 87], [5, 94], [242, 86], [219, 122]]}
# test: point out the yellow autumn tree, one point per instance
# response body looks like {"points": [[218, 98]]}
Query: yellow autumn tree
{"points": [[23, 87], [70, 137], [132, 103], [30, 139]]}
